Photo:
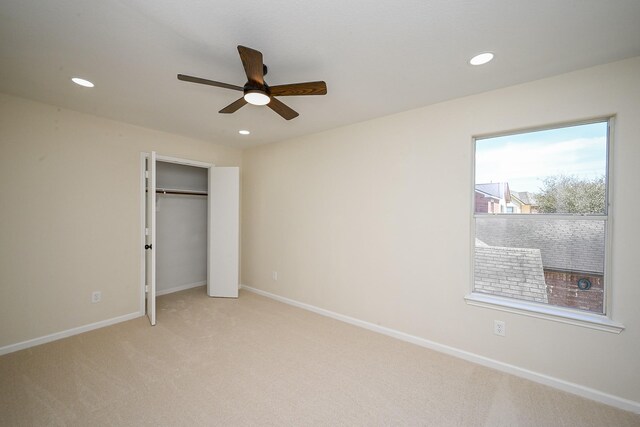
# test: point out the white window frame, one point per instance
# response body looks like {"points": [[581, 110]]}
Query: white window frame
{"points": [[603, 322]]}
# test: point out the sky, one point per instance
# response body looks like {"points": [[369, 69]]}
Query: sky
{"points": [[524, 160]]}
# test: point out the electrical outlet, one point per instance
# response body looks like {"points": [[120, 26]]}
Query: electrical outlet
{"points": [[96, 297], [499, 328], [274, 275]]}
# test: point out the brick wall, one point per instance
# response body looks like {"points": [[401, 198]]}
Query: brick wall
{"points": [[562, 290], [486, 204], [482, 203]]}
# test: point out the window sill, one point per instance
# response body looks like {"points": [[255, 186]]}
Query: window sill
{"points": [[542, 311]]}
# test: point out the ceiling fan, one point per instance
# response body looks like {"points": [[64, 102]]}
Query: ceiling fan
{"points": [[257, 91]]}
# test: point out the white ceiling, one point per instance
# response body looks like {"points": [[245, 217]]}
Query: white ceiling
{"points": [[378, 58]]}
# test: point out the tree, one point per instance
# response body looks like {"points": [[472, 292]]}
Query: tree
{"points": [[570, 194]]}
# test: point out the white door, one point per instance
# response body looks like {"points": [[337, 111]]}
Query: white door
{"points": [[150, 240], [224, 232]]}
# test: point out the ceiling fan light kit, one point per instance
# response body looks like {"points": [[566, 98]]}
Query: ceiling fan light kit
{"points": [[257, 91], [256, 97]]}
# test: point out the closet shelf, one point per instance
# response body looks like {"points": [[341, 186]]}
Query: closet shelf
{"points": [[183, 192]]}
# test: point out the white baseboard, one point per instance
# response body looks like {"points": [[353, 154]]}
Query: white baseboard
{"points": [[589, 393], [69, 332], [85, 328], [180, 288]]}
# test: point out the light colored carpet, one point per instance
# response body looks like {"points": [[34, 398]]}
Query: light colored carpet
{"points": [[254, 361]]}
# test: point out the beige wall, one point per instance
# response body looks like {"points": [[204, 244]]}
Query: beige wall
{"points": [[70, 215], [353, 221]]}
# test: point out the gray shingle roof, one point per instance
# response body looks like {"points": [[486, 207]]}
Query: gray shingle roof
{"points": [[525, 197], [509, 272], [568, 245], [495, 189]]}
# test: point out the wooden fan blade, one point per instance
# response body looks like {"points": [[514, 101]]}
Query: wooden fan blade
{"points": [[252, 63], [309, 88], [207, 82], [280, 108], [234, 106]]}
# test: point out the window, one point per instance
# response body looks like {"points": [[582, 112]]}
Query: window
{"points": [[541, 219]]}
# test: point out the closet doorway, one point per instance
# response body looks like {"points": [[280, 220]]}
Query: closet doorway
{"points": [[190, 228]]}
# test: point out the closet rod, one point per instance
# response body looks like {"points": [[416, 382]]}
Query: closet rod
{"points": [[184, 192]]}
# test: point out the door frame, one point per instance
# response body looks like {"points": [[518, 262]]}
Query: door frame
{"points": [[167, 159]]}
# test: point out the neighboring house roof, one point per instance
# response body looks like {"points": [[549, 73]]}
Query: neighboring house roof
{"points": [[525, 197], [482, 193], [576, 245], [509, 272], [498, 190]]}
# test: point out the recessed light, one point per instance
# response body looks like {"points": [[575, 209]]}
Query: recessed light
{"points": [[482, 58], [82, 82], [244, 132]]}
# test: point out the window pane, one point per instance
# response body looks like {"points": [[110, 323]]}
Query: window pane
{"points": [[554, 261], [557, 171]]}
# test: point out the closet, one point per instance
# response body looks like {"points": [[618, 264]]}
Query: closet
{"points": [[181, 227], [190, 228]]}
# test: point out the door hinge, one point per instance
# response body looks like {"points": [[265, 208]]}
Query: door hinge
{"points": [[146, 231], [146, 174], [146, 288]]}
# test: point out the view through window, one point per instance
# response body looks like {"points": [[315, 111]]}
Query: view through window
{"points": [[540, 211]]}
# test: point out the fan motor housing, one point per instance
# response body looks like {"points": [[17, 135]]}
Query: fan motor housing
{"points": [[251, 87]]}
